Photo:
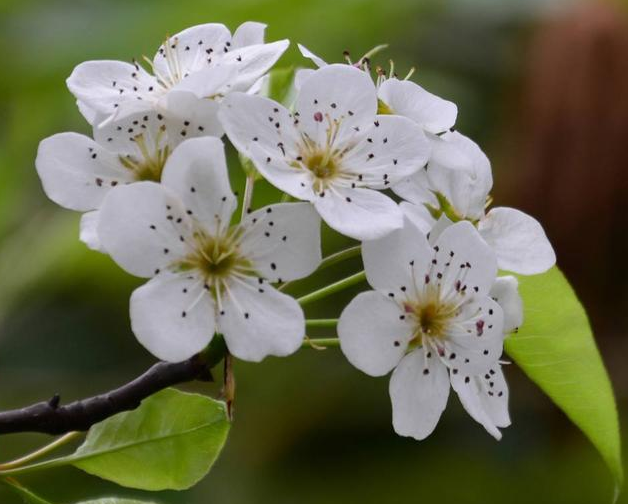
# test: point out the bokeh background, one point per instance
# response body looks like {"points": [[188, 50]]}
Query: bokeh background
{"points": [[542, 86]]}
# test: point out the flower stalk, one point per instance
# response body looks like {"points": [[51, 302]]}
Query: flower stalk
{"points": [[332, 288]]}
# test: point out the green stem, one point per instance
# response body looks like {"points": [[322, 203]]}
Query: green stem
{"points": [[339, 256], [39, 466], [24, 492], [332, 322], [333, 259], [320, 343], [332, 288], [41, 452]]}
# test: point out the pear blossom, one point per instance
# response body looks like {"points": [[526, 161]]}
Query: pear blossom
{"points": [[204, 61], [78, 171], [401, 97], [455, 186], [430, 317], [485, 396], [333, 150], [206, 275]]}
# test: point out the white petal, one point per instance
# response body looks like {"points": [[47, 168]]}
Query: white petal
{"points": [[208, 83], [90, 115], [416, 189], [426, 109], [197, 172], [391, 149], [189, 116], [253, 61], [263, 130], [419, 389], [248, 33], [464, 259], [474, 342], [89, 231], [336, 93], [112, 87], [257, 320], [301, 75], [124, 135], [518, 240], [144, 227], [297, 182], [448, 150], [189, 51], [76, 172], [505, 293], [418, 215], [469, 394], [253, 120], [439, 226], [319, 62], [259, 85], [173, 316], [491, 411], [465, 185], [399, 259], [496, 404], [283, 241], [362, 214], [374, 333]]}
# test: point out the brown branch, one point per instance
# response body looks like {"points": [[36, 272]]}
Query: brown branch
{"points": [[50, 417]]}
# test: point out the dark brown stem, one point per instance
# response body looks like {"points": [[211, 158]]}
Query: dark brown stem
{"points": [[50, 417]]}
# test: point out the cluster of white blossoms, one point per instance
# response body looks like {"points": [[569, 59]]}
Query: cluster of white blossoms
{"points": [[377, 160]]}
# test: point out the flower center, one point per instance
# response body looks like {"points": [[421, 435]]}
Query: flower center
{"points": [[432, 318], [383, 108], [217, 257], [174, 70], [148, 165], [322, 165]]}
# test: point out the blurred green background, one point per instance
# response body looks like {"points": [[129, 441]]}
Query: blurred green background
{"points": [[540, 85]]}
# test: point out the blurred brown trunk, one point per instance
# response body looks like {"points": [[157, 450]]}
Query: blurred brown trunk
{"points": [[573, 159]]}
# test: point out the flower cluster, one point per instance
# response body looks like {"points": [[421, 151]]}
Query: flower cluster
{"points": [[377, 159]]}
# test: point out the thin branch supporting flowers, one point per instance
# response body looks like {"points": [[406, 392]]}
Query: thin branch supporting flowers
{"points": [[333, 288]]}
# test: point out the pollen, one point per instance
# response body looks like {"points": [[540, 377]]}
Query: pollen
{"points": [[149, 163], [217, 257], [432, 316], [322, 166]]}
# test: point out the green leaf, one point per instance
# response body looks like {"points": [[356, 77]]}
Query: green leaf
{"points": [[27, 495], [279, 85], [169, 443], [555, 347]]}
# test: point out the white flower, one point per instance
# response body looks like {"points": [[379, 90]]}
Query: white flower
{"points": [[485, 396], [431, 316], [455, 186], [334, 150], [205, 61], [209, 276], [77, 171], [400, 97]]}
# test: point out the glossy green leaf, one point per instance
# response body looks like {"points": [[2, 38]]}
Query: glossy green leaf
{"points": [[169, 443], [27, 496], [555, 347]]}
